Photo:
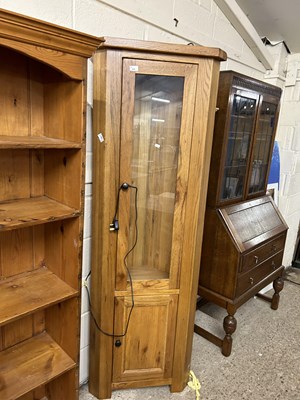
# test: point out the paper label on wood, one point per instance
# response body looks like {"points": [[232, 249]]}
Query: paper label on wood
{"points": [[100, 137]]}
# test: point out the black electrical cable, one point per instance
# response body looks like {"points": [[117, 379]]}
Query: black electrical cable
{"points": [[124, 186]]}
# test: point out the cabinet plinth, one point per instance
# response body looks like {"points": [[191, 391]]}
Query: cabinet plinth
{"points": [[154, 106], [42, 154], [244, 232]]}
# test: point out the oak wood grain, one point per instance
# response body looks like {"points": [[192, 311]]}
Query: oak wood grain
{"points": [[166, 48], [154, 279]]}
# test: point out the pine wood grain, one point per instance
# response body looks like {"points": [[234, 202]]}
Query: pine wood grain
{"points": [[31, 364], [16, 252], [31, 30], [63, 241], [42, 171], [33, 211], [25, 293], [14, 174], [14, 93], [36, 142], [69, 64], [64, 177], [58, 319]]}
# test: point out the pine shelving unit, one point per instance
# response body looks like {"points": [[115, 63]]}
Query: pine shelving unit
{"points": [[42, 160]]}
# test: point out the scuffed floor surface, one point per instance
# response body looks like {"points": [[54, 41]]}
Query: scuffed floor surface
{"points": [[265, 359]]}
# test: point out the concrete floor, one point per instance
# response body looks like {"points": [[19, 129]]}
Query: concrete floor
{"points": [[264, 363]]}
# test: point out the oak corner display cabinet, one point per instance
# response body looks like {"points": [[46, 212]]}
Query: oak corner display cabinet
{"points": [[244, 232], [154, 107], [42, 153]]}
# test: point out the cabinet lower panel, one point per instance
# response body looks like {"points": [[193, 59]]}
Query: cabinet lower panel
{"points": [[30, 364], [146, 351]]}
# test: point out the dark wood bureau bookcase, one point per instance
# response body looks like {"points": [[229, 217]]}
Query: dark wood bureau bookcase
{"points": [[244, 232]]}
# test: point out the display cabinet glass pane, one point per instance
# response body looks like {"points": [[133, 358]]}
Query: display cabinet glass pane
{"points": [[262, 147], [237, 155], [154, 161]]}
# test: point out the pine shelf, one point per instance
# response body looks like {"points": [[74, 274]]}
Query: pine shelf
{"points": [[33, 211], [29, 292], [36, 142], [43, 76], [30, 364]]}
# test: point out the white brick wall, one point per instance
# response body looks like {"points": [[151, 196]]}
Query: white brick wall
{"points": [[288, 136], [199, 21], [54, 11]]}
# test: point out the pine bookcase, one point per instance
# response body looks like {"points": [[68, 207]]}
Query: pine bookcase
{"points": [[42, 159]]}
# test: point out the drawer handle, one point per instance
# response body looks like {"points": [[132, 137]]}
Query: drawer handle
{"points": [[274, 247], [256, 259], [251, 280], [273, 265]]}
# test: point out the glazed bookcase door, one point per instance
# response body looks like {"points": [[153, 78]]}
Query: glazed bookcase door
{"points": [[263, 145], [240, 132], [155, 145]]}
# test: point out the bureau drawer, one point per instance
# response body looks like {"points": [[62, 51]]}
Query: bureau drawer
{"points": [[251, 278], [262, 253]]}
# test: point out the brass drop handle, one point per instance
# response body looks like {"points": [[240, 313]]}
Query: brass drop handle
{"points": [[274, 248], [251, 280], [273, 265], [256, 259]]}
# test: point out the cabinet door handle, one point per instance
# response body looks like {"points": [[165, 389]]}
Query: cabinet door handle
{"points": [[256, 259], [251, 280]]}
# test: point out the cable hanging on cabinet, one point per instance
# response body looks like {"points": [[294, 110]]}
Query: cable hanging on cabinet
{"points": [[114, 226]]}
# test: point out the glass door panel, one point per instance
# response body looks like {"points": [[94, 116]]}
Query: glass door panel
{"points": [[154, 154], [238, 145], [262, 147], [155, 149]]}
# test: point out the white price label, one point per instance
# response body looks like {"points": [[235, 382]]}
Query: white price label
{"points": [[100, 137]]}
